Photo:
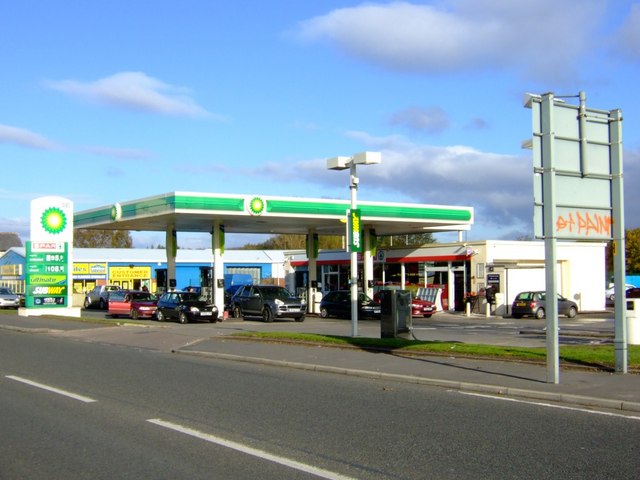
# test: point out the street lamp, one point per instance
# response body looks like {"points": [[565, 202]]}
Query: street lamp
{"points": [[355, 229]]}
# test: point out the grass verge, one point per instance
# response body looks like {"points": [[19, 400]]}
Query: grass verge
{"points": [[600, 357]]}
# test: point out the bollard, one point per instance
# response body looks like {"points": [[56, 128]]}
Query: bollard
{"points": [[488, 314], [467, 309]]}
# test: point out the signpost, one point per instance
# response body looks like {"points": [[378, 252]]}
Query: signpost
{"points": [[49, 261], [577, 165]]}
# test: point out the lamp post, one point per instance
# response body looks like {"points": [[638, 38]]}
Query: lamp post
{"points": [[355, 229]]}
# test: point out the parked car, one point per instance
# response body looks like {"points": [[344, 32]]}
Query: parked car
{"points": [[8, 299], [610, 294], [268, 302], [185, 307], [633, 292], [99, 296], [419, 307], [337, 303], [132, 303], [533, 304]]}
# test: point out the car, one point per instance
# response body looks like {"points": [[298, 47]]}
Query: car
{"points": [[633, 292], [132, 303], [185, 307], [533, 304], [267, 301], [610, 294], [99, 296], [337, 303], [8, 299], [192, 288], [419, 307]]}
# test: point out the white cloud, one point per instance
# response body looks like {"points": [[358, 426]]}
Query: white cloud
{"points": [[26, 138], [124, 153], [541, 38], [135, 91], [498, 187], [429, 120]]}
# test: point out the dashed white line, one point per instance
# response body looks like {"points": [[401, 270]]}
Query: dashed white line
{"points": [[75, 396], [551, 405], [319, 472]]}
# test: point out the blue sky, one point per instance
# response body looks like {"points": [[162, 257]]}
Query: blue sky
{"points": [[112, 101]]}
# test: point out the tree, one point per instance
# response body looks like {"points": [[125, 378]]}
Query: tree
{"points": [[335, 242], [84, 238], [295, 242], [411, 240], [632, 252]]}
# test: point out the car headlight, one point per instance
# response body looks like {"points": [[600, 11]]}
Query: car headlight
{"points": [[194, 309], [279, 302]]}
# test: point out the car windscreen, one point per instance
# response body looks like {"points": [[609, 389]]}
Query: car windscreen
{"points": [[190, 297], [143, 297], [276, 292]]}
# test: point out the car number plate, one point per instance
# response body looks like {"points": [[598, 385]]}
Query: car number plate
{"points": [[521, 304], [206, 314]]}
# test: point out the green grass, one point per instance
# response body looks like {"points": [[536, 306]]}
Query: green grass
{"points": [[596, 356]]}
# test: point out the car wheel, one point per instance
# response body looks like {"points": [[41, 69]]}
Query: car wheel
{"points": [[103, 304], [324, 313], [540, 313], [160, 316], [236, 312], [300, 318], [134, 314], [182, 318], [572, 312], [87, 303], [267, 316]]}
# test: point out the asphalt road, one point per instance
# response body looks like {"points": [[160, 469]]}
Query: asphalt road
{"points": [[72, 409]]}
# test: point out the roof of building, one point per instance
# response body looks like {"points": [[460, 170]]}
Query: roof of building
{"points": [[151, 255], [198, 212]]}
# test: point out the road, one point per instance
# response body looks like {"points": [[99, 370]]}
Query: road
{"points": [[73, 409]]}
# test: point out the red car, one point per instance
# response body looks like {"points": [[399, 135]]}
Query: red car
{"points": [[421, 307], [132, 303]]}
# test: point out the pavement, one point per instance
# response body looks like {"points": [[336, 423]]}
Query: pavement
{"points": [[577, 386]]}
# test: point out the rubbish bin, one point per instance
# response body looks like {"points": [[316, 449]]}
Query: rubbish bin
{"points": [[395, 313], [633, 321]]}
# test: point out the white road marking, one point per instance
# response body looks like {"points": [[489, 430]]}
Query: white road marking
{"points": [[52, 389], [319, 472], [551, 405]]}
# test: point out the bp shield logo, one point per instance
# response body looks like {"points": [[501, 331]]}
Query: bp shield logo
{"points": [[256, 206], [52, 219]]}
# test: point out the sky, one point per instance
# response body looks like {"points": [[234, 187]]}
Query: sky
{"points": [[110, 101]]}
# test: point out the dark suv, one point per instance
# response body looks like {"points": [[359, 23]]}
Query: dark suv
{"points": [[268, 302]]}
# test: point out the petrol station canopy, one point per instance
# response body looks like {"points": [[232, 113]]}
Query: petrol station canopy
{"points": [[198, 212]]}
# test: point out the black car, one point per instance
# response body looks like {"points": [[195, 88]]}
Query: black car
{"points": [[268, 302], [185, 307], [533, 304], [337, 303]]}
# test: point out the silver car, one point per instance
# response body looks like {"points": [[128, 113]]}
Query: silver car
{"points": [[8, 299], [99, 296]]}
